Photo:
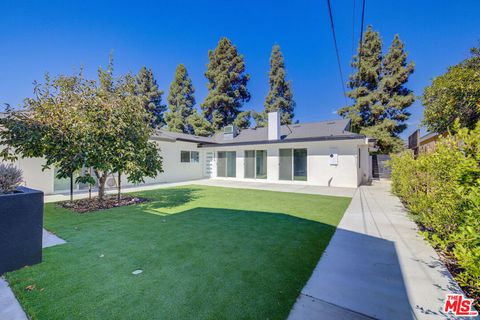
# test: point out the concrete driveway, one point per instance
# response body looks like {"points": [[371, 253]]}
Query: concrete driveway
{"points": [[376, 266]]}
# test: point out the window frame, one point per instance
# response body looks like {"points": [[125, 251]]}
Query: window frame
{"points": [[255, 173], [182, 153]]}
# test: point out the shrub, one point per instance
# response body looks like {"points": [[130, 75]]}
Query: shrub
{"points": [[442, 191], [10, 178]]}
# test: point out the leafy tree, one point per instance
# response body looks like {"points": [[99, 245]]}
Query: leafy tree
{"points": [[148, 89], [455, 94], [181, 102], [75, 123], [227, 85], [199, 125], [280, 96], [378, 91]]}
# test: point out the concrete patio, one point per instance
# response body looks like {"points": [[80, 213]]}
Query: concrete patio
{"points": [[376, 266]]}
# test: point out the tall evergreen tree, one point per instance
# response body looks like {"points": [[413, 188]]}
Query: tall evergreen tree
{"points": [[364, 82], [227, 85], [379, 93], [395, 97], [280, 96], [200, 126], [147, 88], [181, 102]]}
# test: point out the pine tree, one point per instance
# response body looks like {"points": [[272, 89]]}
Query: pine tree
{"points": [[395, 97], [364, 83], [379, 93], [280, 96], [148, 88], [227, 85], [181, 102], [200, 126]]}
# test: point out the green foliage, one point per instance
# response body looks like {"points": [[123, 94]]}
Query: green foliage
{"points": [[181, 102], [280, 96], [227, 85], [454, 95], [378, 91], [442, 190], [76, 123], [243, 119], [147, 88], [199, 125]]}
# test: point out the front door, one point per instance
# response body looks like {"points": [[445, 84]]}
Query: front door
{"points": [[208, 164]]}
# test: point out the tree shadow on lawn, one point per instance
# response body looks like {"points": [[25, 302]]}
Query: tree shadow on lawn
{"points": [[167, 198], [203, 263]]}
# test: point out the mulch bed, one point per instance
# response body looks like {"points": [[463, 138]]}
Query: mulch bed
{"points": [[94, 204]]}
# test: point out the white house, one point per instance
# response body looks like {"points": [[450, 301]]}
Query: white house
{"points": [[318, 153]]}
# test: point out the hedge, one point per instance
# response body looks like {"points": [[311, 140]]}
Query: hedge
{"points": [[442, 191]]}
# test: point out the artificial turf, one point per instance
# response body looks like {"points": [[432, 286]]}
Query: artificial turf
{"points": [[205, 252]]}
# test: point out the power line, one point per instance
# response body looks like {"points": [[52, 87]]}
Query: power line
{"points": [[361, 36], [353, 28], [336, 51]]}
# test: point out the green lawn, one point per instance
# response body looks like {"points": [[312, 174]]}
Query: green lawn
{"points": [[206, 252]]}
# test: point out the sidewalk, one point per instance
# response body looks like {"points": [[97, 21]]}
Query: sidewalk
{"points": [[376, 266]]}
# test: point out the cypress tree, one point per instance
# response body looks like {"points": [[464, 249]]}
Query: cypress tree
{"points": [[181, 102], [280, 96], [227, 85], [147, 88]]}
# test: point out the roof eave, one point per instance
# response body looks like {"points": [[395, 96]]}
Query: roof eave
{"points": [[309, 139]]}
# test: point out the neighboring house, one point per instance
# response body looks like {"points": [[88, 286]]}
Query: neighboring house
{"points": [[422, 144], [319, 153]]}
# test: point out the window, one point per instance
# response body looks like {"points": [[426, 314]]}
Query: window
{"points": [[293, 164], [194, 156], [226, 164], [184, 156], [256, 164]]}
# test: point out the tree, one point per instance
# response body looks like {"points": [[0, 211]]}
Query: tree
{"points": [[378, 91], [280, 96], [76, 123], [181, 102], [242, 120], [395, 97], [227, 85], [199, 125], [148, 89], [454, 95]]}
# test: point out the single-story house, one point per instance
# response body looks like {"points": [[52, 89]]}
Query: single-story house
{"points": [[322, 153]]}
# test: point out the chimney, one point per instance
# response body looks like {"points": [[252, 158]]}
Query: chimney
{"points": [[274, 125]]}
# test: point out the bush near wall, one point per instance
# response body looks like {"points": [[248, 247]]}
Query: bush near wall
{"points": [[442, 191]]}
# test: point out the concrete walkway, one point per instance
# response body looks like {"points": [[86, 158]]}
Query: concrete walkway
{"points": [[10, 308], [376, 266], [281, 187]]}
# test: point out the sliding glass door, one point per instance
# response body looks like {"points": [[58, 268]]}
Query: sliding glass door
{"points": [[293, 164], [226, 164], [256, 164]]}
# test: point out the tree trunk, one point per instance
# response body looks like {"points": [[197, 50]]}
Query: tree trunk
{"points": [[101, 186], [71, 186], [119, 186]]}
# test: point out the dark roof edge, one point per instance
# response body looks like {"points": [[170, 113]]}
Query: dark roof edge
{"points": [[310, 139]]}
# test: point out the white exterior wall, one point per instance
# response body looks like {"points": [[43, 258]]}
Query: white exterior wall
{"points": [[33, 176], [174, 170], [319, 170]]}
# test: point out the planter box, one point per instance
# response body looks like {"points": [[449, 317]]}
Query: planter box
{"points": [[21, 226]]}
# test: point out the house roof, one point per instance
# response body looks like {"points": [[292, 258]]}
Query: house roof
{"points": [[312, 131]]}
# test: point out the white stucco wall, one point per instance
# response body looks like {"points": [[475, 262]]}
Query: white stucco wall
{"points": [[319, 170], [33, 176]]}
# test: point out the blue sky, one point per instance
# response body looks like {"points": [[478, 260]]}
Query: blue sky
{"points": [[61, 36]]}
